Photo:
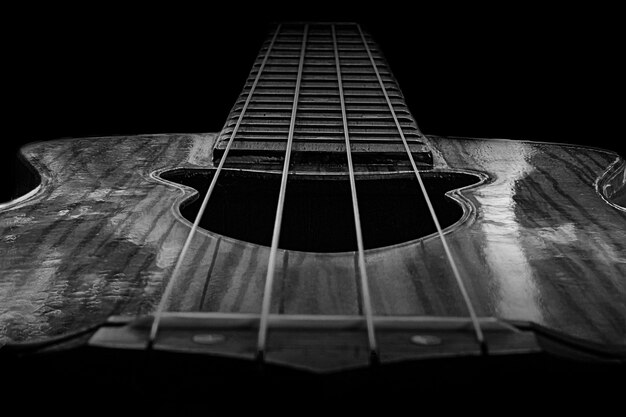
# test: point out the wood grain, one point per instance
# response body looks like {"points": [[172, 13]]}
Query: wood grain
{"points": [[539, 241]]}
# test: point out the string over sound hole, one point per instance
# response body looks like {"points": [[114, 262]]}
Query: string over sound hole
{"points": [[318, 214]]}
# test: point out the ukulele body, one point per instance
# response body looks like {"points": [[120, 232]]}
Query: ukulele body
{"points": [[542, 238]]}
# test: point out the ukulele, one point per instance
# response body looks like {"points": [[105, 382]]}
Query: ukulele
{"points": [[319, 233]]}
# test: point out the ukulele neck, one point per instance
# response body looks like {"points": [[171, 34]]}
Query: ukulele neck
{"points": [[315, 84]]}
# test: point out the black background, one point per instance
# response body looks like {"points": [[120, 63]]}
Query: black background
{"points": [[515, 72], [519, 73]]}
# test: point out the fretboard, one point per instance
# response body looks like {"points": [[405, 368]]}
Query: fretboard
{"points": [[309, 81]]}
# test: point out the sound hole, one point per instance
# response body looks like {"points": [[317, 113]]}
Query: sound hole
{"points": [[318, 214]]}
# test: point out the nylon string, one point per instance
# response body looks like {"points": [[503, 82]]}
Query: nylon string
{"points": [[176, 272], [476, 325], [269, 279], [365, 291]]}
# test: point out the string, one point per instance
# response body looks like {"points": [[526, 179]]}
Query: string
{"points": [[176, 272], [476, 325], [269, 279], [365, 292]]}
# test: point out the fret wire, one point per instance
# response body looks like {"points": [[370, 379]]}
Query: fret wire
{"points": [[176, 272], [365, 291], [477, 329], [269, 279]]}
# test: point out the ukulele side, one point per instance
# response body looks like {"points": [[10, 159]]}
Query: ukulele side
{"points": [[95, 237]]}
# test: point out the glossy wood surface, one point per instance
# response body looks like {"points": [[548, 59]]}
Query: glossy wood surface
{"points": [[541, 240]]}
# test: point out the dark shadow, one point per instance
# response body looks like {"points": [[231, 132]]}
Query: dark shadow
{"points": [[318, 214], [21, 179]]}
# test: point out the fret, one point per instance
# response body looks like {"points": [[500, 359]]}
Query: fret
{"points": [[359, 101], [285, 40], [323, 54], [318, 110], [333, 146], [260, 91], [325, 122], [325, 92], [317, 60], [272, 117], [267, 117], [319, 120], [278, 69], [316, 48], [321, 83], [324, 130], [312, 77], [320, 144], [251, 141], [371, 104]]}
